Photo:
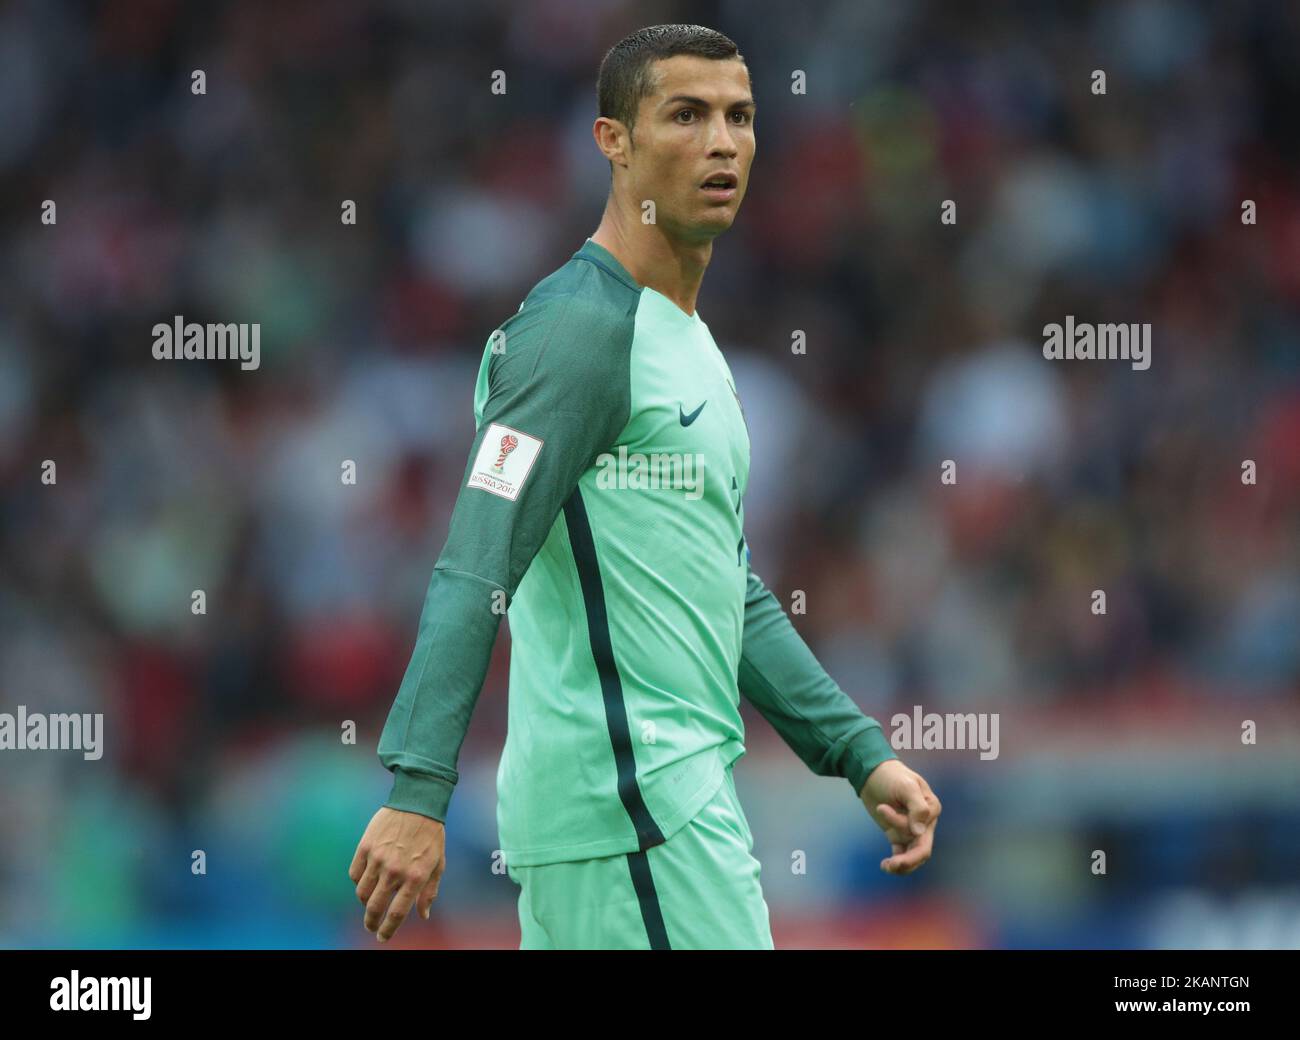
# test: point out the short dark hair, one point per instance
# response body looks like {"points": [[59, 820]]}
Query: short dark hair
{"points": [[626, 77]]}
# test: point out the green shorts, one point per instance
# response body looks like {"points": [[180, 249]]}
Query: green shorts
{"points": [[697, 890]]}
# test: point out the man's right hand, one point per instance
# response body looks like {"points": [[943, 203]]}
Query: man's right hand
{"points": [[400, 859]]}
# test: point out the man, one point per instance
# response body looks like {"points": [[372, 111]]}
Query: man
{"points": [[602, 504]]}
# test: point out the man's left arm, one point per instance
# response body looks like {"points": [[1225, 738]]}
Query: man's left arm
{"points": [[783, 679]]}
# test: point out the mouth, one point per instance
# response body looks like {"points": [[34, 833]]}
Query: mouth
{"points": [[720, 187]]}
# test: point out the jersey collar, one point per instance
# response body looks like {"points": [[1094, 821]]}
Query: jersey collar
{"points": [[603, 258]]}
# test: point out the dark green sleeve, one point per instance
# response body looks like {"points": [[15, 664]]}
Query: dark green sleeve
{"points": [[563, 379], [780, 676]]}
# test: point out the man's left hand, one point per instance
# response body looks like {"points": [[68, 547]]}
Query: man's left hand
{"points": [[904, 807]]}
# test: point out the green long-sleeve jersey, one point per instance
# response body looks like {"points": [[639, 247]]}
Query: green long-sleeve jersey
{"points": [[601, 511]]}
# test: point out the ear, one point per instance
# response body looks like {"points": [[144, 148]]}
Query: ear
{"points": [[612, 138]]}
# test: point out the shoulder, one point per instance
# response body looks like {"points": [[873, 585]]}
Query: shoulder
{"points": [[567, 350], [578, 321]]}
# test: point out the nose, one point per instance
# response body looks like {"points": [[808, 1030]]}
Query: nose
{"points": [[721, 143]]}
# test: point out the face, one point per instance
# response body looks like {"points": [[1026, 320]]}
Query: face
{"points": [[698, 123]]}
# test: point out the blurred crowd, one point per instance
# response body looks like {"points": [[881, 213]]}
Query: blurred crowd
{"points": [[924, 345]]}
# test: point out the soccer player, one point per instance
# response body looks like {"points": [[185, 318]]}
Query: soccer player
{"points": [[602, 505]]}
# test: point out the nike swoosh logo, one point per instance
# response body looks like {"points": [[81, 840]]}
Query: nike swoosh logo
{"points": [[688, 419]]}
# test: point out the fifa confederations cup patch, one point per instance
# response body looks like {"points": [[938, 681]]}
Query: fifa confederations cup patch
{"points": [[504, 460]]}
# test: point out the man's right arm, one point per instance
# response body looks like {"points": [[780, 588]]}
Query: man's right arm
{"points": [[557, 396]]}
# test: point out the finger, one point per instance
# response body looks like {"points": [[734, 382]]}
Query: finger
{"points": [[893, 823], [911, 858], [934, 808], [892, 816], [919, 810], [429, 893], [383, 894], [401, 906], [896, 836], [366, 886], [358, 867]]}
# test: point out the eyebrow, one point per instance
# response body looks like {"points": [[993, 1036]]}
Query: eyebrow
{"points": [[701, 103]]}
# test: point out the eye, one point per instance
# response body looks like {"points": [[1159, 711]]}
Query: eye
{"points": [[684, 111], [744, 117]]}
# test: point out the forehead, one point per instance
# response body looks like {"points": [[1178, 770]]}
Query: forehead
{"points": [[719, 82]]}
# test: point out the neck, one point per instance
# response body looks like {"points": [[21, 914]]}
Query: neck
{"points": [[663, 263]]}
